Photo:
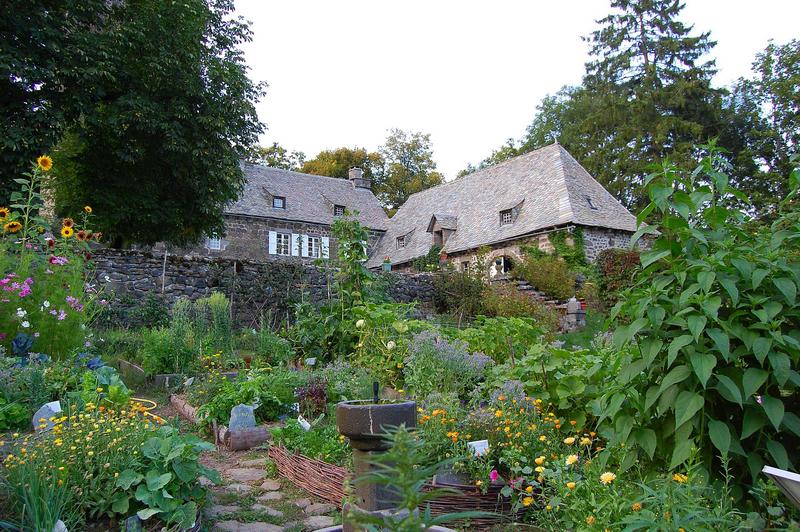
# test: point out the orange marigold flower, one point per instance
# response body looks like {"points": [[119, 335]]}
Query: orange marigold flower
{"points": [[636, 506]]}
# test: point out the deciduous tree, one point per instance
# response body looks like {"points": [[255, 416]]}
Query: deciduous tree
{"points": [[408, 168]]}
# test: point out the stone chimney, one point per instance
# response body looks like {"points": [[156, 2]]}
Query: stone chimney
{"points": [[356, 175]]}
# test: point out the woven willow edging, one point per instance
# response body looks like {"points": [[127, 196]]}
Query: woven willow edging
{"points": [[471, 499], [319, 478]]}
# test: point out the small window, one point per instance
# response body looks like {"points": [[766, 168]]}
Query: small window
{"points": [[338, 210], [283, 244], [465, 266], [313, 246], [505, 217], [589, 202], [401, 242], [278, 202], [214, 242]]}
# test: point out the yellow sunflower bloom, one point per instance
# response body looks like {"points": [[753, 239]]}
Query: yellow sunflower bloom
{"points": [[12, 227], [87, 209], [45, 163], [4, 212], [67, 232]]}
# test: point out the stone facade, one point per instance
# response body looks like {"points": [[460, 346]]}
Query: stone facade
{"points": [[255, 288], [595, 240], [248, 238]]}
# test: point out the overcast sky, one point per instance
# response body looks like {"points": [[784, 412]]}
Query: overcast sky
{"points": [[470, 73]]}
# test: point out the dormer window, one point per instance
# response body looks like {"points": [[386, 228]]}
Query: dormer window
{"points": [[401, 242], [589, 202], [278, 202], [506, 217], [338, 210]]}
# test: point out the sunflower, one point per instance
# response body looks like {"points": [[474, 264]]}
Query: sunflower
{"points": [[4, 212], [98, 236], [68, 222], [67, 231], [12, 227], [44, 162], [88, 209], [82, 235]]}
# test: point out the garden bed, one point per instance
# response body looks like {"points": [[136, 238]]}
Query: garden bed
{"points": [[319, 478], [472, 499]]}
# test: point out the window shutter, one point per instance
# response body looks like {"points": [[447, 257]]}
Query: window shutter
{"points": [[326, 247], [297, 242], [272, 243], [304, 245]]}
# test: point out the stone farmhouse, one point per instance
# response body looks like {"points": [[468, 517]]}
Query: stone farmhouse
{"points": [[503, 208], [287, 216]]}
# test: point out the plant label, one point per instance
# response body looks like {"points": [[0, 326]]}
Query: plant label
{"points": [[479, 447]]}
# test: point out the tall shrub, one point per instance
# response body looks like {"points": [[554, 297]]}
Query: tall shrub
{"points": [[715, 320]]}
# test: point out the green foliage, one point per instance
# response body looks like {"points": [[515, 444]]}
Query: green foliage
{"points": [[276, 156], [271, 349], [430, 261], [500, 338], [408, 168], [401, 470], [717, 329], [435, 365], [338, 162], [155, 146], [353, 278], [321, 442], [569, 245], [381, 339], [165, 352], [13, 415], [272, 390], [549, 274], [346, 382], [459, 293], [504, 300], [616, 270], [166, 484]]}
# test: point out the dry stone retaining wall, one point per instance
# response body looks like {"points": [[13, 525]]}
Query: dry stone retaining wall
{"points": [[254, 288]]}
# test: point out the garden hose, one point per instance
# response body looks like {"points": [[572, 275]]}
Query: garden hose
{"points": [[147, 409]]}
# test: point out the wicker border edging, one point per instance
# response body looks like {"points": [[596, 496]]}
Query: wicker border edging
{"points": [[472, 499], [319, 478]]}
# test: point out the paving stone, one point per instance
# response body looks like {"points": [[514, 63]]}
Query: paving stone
{"points": [[318, 521], [302, 503], [256, 462], [236, 526], [271, 496], [220, 509], [205, 481], [238, 488], [319, 508], [244, 474], [271, 485], [267, 510]]}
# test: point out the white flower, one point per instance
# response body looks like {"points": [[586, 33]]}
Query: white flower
{"points": [[107, 279], [46, 304], [391, 345], [360, 324], [26, 324], [21, 313]]}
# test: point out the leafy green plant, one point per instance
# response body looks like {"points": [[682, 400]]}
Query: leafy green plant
{"points": [[501, 338], [549, 273], [508, 302], [381, 332], [13, 415], [321, 442], [166, 484], [616, 271], [459, 293], [164, 351], [271, 349], [716, 325]]}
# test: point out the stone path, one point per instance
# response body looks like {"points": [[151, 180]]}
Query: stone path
{"points": [[253, 498]]}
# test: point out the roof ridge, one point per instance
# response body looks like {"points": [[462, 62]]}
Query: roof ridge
{"points": [[482, 170], [295, 172]]}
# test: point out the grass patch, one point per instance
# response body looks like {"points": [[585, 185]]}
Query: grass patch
{"points": [[595, 324]]}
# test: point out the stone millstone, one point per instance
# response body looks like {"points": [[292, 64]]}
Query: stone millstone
{"points": [[243, 474]]}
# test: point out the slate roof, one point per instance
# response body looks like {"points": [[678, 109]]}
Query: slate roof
{"points": [[544, 188], [309, 198]]}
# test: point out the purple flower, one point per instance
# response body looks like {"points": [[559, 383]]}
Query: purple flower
{"points": [[61, 315], [59, 260], [758, 399], [54, 312]]}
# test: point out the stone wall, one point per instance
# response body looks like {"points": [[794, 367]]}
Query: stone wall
{"points": [[247, 238], [254, 288], [596, 239]]}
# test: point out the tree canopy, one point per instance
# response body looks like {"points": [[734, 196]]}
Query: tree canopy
{"points": [[408, 167], [161, 113], [276, 156], [647, 95], [337, 162]]}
